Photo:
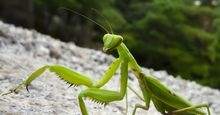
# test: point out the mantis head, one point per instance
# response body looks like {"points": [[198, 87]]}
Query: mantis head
{"points": [[111, 42]]}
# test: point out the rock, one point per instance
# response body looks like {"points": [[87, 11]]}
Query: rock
{"points": [[23, 51]]}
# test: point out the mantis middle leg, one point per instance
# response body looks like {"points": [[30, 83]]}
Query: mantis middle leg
{"points": [[137, 105]]}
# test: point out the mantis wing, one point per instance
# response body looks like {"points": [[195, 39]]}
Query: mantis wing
{"points": [[170, 99], [163, 108]]}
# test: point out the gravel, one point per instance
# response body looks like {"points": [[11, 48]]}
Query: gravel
{"points": [[22, 51]]}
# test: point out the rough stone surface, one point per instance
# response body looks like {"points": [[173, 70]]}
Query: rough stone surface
{"points": [[23, 51]]}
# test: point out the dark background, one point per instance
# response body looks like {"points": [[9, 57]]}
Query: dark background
{"points": [[179, 36]]}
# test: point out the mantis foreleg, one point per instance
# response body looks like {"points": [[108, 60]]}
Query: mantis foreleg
{"points": [[109, 73], [71, 77], [126, 102], [74, 78], [105, 96]]}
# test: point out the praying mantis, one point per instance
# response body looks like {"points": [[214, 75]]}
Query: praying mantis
{"points": [[166, 101]]}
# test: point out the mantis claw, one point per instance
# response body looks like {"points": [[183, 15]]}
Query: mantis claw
{"points": [[27, 88]]}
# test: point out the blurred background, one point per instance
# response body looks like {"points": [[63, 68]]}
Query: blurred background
{"points": [[179, 36]]}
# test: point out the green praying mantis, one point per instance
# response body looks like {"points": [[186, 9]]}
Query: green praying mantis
{"points": [[164, 99]]}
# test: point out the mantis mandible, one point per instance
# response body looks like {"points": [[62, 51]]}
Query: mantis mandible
{"points": [[164, 99]]}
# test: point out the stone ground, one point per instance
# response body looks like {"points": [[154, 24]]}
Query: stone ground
{"points": [[23, 51]]}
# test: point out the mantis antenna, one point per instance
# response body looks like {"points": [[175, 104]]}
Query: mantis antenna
{"points": [[85, 17], [106, 20]]}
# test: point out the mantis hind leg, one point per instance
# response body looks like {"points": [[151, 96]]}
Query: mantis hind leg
{"points": [[189, 109]]}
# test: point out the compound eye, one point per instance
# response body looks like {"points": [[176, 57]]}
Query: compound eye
{"points": [[105, 37]]}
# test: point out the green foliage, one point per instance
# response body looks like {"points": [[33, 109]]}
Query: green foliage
{"points": [[178, 37]]}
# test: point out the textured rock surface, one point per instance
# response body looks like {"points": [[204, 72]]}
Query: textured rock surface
{"points": [[22, 51]]}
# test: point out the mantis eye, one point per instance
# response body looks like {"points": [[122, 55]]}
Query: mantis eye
{"points": [[111, 42]]}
